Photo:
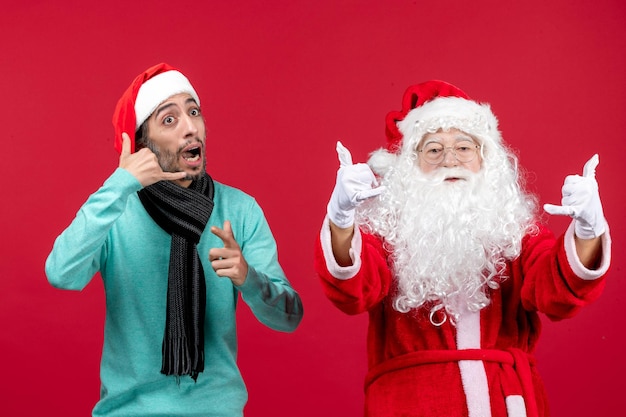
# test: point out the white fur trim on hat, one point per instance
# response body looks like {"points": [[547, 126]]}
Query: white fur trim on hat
{"points": [[442, 113], [158, 89], [447, 113]]}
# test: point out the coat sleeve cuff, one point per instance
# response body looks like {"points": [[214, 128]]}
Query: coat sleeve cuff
{"points": [[572, 257], [337, 271]]}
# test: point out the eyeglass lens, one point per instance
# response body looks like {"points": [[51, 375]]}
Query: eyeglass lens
{"points": [[463, 151]]}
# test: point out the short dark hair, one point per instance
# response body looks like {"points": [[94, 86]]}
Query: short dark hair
{"points": [[141, 136]]}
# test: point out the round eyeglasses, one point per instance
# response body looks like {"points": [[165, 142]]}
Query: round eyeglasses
{"points": [[434, 152]]}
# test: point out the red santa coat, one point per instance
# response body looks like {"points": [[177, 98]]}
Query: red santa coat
{"points": [[484, 365]]}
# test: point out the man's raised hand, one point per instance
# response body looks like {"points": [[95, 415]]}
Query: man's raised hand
{"points": [[144, 165], [228, 261]]}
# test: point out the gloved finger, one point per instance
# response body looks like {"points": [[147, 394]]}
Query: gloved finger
{"points": [[570, 188], [559, 210], [589, 170], [575, 202], [345, 157], [572, 180], [372, 192]]}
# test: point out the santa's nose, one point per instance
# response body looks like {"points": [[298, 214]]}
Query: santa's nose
{"points": [[449, 158]]}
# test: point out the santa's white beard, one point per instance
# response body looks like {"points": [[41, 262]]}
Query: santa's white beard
{"points": [[449, 240]]}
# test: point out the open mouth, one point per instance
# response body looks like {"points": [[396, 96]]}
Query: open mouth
{"points": [[192, 153]]}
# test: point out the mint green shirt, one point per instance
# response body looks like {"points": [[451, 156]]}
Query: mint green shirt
{"points": [[114, 235]]}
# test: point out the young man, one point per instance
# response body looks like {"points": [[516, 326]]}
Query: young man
{"points": [[436, 239], [174, 249]]}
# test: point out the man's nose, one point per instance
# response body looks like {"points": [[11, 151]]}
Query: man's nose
{"points": [[189, 125]]}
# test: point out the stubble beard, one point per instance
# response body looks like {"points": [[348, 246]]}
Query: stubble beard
{"points": [[168, 160]]}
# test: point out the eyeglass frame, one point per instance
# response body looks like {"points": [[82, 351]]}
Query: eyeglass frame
{"points": [[452, 149]]}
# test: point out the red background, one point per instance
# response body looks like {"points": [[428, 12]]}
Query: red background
{"points": [[280, 82]]}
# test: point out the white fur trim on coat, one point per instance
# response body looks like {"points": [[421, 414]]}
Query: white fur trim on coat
{"points": [[337, 271], [574, 261]]}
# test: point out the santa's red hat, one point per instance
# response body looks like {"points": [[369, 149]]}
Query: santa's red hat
{"points": [[430, 106], [416, 96], [149, 89]]}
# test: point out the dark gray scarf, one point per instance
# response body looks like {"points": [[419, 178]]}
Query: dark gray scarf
{"points": [[183, 213]]}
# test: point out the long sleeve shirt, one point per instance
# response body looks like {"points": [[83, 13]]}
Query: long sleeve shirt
{"points": [[113, 235]]}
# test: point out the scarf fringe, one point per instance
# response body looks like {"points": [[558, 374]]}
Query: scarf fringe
{"points": [[179, 361]]}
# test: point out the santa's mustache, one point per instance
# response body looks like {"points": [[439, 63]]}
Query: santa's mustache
{"points": [[444, 174]]}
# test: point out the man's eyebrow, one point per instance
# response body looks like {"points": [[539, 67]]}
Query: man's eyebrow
{"points": [[162, 108]]}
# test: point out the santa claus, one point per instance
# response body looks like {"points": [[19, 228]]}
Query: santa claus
{"points": [[437, 240]]}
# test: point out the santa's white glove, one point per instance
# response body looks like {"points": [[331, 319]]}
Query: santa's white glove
{"points": [[581, 201], [355, 183]]}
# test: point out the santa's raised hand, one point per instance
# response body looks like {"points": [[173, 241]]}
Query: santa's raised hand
{"points": [[581, 201], [355, 183]]}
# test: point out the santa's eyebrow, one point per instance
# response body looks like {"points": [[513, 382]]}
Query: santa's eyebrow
{"points": [[462, 136], [431, 140], [457, 138]]}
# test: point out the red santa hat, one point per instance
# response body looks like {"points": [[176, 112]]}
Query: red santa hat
{"points": [[149, 89], [428, 107]]}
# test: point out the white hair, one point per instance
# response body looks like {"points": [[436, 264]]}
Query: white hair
{"points": [[449, 242]]}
